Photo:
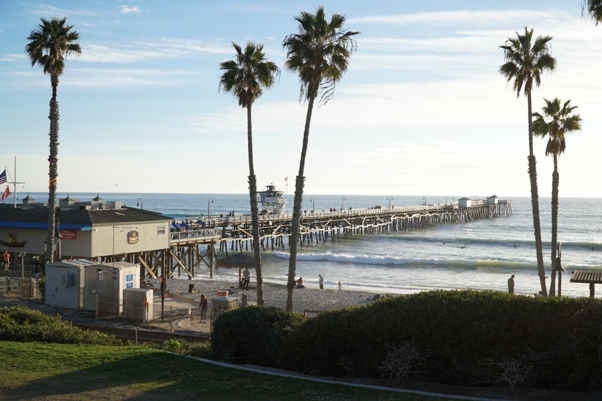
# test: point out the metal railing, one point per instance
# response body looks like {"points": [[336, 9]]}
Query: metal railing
{"points": [[194, 234]]}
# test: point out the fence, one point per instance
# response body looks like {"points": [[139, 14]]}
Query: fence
{"points": [[20, 288]]}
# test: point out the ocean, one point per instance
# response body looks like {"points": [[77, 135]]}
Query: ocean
{"points": [[477, 255]]}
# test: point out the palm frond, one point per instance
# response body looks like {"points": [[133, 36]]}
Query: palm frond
{"points": [[525, 60], [50, 44], [560, 122], [319, 53], [594, 9], [248, 73]]}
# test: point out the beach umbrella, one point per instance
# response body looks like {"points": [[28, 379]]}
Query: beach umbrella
{"points": [[236, 260]]}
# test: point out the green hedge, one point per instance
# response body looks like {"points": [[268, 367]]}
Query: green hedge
{"points": [[26, 325], [463, 337], [478, 338], [253, 334]]}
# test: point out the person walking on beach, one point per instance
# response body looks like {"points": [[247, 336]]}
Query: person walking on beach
{"points": [[203, 308], [162, 286], [246, 279], [511, 285], [6, 257], [36, 267], [340, 286], [321, 281]]}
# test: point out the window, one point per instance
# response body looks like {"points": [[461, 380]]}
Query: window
{"points": [[161, 230]]}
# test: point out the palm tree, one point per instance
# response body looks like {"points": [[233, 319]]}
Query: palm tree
{"points": [[525, 61], [48, 47], [594, 9], [319, 54], [245, 77], [561, 122]]}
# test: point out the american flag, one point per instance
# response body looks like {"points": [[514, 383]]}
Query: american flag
{"points": [[3, 177]]}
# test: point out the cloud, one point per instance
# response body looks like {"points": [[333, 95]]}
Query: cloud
{"points": [[129, 10], [52, 11], [461, 17], [122, 77], [146, 51]]}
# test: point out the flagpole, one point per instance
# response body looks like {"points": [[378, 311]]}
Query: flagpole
{"points": [[14, 182], [15, 185]]}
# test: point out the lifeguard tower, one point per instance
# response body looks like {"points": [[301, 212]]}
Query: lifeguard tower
{"points": [[272, 201]]}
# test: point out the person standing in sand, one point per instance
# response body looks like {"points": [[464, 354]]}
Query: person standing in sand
{"points": [[340, 286], [203, 308], [246, 279], [6, 257], [321, 281], [511, 285]]}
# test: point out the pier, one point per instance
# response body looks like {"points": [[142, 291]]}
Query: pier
{"points": [[194, 245]]}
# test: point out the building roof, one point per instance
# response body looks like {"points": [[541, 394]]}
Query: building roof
{"points": [[75, 219], [582, 276]]}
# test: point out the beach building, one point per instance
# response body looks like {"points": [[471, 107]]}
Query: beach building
{"points": [[93, 230], [272, 202], [464, 202]]}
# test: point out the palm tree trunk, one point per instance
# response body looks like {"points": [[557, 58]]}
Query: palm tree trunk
{"points": [[299, 183], [254, 210], [555, 183], [52, 168], [535, 203]]}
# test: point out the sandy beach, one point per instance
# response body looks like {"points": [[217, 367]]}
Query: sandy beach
{"points": [[275, 295]]}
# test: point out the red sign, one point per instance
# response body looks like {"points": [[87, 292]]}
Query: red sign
{"points": [[68, 234]]}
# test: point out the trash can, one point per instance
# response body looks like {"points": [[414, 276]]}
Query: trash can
{"points": [[222, 304]]}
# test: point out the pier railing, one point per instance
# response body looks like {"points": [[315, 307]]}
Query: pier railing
{"points": [[191, 235], [346, 212]]}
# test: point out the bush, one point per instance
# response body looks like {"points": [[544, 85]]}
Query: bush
{"points": [[253, 334], [22, 324], [458, 337]]}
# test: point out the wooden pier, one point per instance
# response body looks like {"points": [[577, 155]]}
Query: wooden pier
{"points": [[193, 247]]}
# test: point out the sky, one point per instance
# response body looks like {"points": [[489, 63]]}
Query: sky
{"points": [[422, 109]]}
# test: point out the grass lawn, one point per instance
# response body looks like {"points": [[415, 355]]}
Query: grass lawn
{"points": [[40, 371]]}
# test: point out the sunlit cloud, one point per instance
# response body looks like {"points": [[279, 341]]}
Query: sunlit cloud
{"points": [[462, 17], [146, 51], [129, 10], [123, 77], [52, 11]]}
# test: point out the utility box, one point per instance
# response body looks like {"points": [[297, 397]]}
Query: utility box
{"points": [[64, 286], [223, 304], [104, 285], [138, 304]]}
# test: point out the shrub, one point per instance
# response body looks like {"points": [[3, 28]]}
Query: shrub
{"points": [[22, 324], [253, 334], [459, 337], [172, 345]]}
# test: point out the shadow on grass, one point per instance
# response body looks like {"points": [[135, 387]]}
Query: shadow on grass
{"points": [[137, 373]]}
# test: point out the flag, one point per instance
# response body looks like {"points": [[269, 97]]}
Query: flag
{"points": [[6, 193], [286, 179], [3, 177]]}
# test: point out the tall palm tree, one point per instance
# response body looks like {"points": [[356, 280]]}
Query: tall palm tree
{"points": [[561, 122], [319, 54], [49, 44], [525, 61], [245, 77], [594, 9]]}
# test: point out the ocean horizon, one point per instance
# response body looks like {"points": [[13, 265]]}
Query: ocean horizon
{"points": [[480, 255]]}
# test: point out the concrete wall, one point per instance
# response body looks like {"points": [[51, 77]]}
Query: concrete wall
{"points": [[101, 241], [109, 240]]}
